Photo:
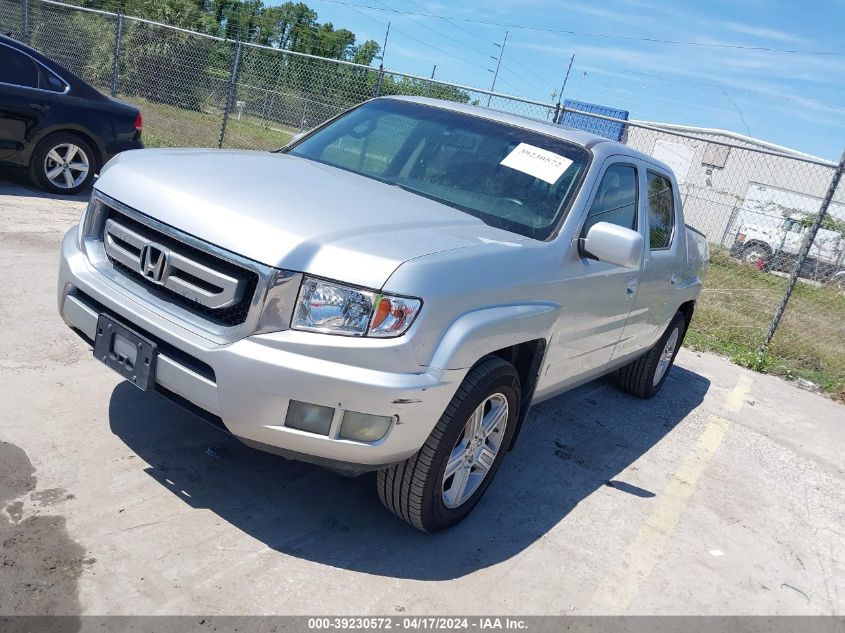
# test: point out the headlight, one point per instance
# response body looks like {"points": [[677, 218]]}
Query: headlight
{"points": [[81, 227], [86, 220], [332, 308]]}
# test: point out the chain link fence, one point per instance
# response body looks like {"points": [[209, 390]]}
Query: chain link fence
{"points": [[774, 298], [758, 205]]}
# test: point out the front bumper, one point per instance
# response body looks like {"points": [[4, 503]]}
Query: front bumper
{"points": [[249, 383]]}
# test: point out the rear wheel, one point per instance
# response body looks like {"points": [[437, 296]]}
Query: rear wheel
{"points": [[645, 376], [63, 163], [442, 483]]}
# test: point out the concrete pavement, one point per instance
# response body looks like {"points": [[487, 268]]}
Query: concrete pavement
{"points": [[723, 495]]}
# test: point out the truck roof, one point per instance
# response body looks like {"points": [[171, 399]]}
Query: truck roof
{"points": [[603, 147]]}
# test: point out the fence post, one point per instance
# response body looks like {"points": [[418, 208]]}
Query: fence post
{"points": [[379, 79], [302, 121], [115, 72], [804, 252], [25, 9], [230, 96]]}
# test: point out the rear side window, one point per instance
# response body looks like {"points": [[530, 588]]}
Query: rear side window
{"points": [[49, 81], [661, 211], [616, 199], [17, 69]]}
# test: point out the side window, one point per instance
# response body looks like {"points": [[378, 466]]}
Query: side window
{"points": [[48, 81], [661, 211], [616, 199], [17, 69]]}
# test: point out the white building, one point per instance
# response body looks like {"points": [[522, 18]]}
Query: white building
{"points": [[723, 184]]}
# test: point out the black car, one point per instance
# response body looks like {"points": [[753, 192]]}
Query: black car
{"points": [[59, 127]]}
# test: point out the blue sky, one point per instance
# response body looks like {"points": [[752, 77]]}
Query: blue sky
{"points": [[791, 99]]}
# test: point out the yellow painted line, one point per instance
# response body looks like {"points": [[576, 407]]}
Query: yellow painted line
{"points": [[618, 589], [738, 395]]}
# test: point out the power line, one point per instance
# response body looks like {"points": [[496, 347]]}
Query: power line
{"points": [[441, 34], [457, 26], [654, 40], [537, 87], [416, 39], [507, 83], [528, 70], [502, 61]]}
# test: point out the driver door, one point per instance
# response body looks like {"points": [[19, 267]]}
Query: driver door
{"points": [[596, 296]]}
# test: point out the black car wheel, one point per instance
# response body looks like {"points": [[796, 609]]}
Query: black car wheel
{"points": [[645, 376], [757, 256], [445, 479], [63, 163]]}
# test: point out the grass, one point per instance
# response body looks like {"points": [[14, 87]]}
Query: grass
{"points": [[737, 307], [171, 126]]}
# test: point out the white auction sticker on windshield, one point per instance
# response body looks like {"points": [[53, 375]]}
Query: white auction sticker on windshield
{"points": [[537, 162]]}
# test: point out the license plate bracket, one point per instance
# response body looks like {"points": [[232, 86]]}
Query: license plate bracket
{"points": [[128, 353]]}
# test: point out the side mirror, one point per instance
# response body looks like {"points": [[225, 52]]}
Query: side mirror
{"points": [[613, 244]]}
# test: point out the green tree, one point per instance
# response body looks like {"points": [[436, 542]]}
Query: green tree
{"points": [[422, 88]]}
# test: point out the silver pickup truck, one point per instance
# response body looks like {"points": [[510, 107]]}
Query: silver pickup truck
{"points": [[391, 291]]}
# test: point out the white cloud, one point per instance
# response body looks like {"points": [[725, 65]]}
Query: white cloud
{"points": [[764, 33]]}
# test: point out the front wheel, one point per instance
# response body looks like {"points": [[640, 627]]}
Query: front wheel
{"points": [[445, 479], [645, 376]]}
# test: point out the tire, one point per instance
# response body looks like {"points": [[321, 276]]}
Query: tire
{"points": [[754, 254], [645, 376], [43, 164], [416, 490]]}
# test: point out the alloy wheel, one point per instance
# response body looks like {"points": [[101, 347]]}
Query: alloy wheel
{"points": [[475, 451], [66, 166], [666, 357]]}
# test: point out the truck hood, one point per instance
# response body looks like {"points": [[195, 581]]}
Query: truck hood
{"points": [[290, 212]]}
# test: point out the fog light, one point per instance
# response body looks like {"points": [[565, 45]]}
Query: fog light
{"points": [[363, 427], [309, 417]]}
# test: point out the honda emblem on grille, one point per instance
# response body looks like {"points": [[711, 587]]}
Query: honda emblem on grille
{"points": [[154, 262]]}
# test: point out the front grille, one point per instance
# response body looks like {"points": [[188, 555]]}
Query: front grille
{"points": [[178, 273]]}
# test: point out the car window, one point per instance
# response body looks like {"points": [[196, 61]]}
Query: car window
{"points": [[49, 81], [507, 176], [370, 145], [615, 200], [17, 69], [661, 211]]}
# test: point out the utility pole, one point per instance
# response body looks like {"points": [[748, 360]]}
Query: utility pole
{"points": [[384, 47], [380, 78], [562, 88], [433, 71], [498, 64]]}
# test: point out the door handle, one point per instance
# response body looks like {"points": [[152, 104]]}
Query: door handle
{"points": [[39, 106], [674, 279], [631, 289]]}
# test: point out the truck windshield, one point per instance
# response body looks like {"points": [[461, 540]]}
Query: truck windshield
{"points": [[507, 176]]}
